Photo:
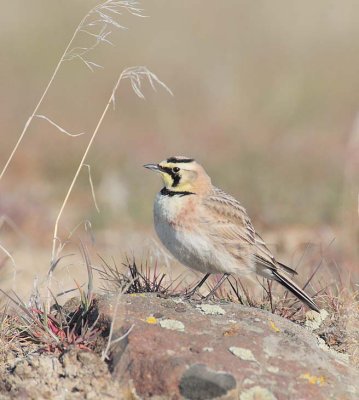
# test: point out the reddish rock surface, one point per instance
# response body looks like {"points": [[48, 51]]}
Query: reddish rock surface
{"points": [[181, 350]]}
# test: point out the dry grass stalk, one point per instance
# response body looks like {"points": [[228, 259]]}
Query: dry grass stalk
{"points": [[56, 327], [96, 24], [99, 16], [136, 76], [134, 279]]}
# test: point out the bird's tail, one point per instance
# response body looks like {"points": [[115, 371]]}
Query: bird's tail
{"points": [[295, 289]]}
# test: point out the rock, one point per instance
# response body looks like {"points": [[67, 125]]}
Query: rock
{"points": [[257, 393], [172, 324], [78, 374], [200, 383], [213, 309], [242, 353], [173, 349]]}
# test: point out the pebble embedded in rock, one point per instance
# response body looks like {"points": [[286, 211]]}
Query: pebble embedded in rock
{"points": [[172, 325], [257, 393], [209, 349], [211, 309], [272, 369], [243, 354], [201, 383]]}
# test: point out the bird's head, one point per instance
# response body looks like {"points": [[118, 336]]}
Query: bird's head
{"points": [[182, 174]]}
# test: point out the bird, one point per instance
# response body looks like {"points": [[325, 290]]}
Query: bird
{"points": [[209, 231]]}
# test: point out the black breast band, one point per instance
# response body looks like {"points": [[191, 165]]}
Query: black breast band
{"points": [[171, 193]]}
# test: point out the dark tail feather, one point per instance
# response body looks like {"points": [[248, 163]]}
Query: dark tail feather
{"points": [[295, 289], [287, 269]]}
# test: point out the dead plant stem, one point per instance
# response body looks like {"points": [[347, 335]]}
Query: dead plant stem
{"points": [[81, 164], [28, 122]]}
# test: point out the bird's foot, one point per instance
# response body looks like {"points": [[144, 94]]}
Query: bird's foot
{"points": [[192, 295], [169, 295], [188, 295], [209, 297]]}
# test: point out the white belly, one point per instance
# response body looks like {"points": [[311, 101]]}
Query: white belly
{"points": [[189, 246]]}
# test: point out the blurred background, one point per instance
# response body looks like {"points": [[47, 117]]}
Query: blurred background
{"points": [[265, 97]]}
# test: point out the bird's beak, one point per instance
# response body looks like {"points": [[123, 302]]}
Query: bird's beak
{"points": [[153, 167]]}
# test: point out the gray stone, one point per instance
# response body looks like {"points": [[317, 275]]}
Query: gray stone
{"points": [[201, 383]]}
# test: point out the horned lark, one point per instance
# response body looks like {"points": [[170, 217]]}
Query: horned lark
{"points": [[208, 230]]}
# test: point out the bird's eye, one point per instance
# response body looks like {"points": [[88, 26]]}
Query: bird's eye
{"points": [[176, 169]]}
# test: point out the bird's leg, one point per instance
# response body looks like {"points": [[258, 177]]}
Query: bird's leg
{"points": [[194, 290], [219, 283]]}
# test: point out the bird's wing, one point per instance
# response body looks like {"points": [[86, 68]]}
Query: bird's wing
{"points": [[230, 222], [228, 219], [231, 227]]}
